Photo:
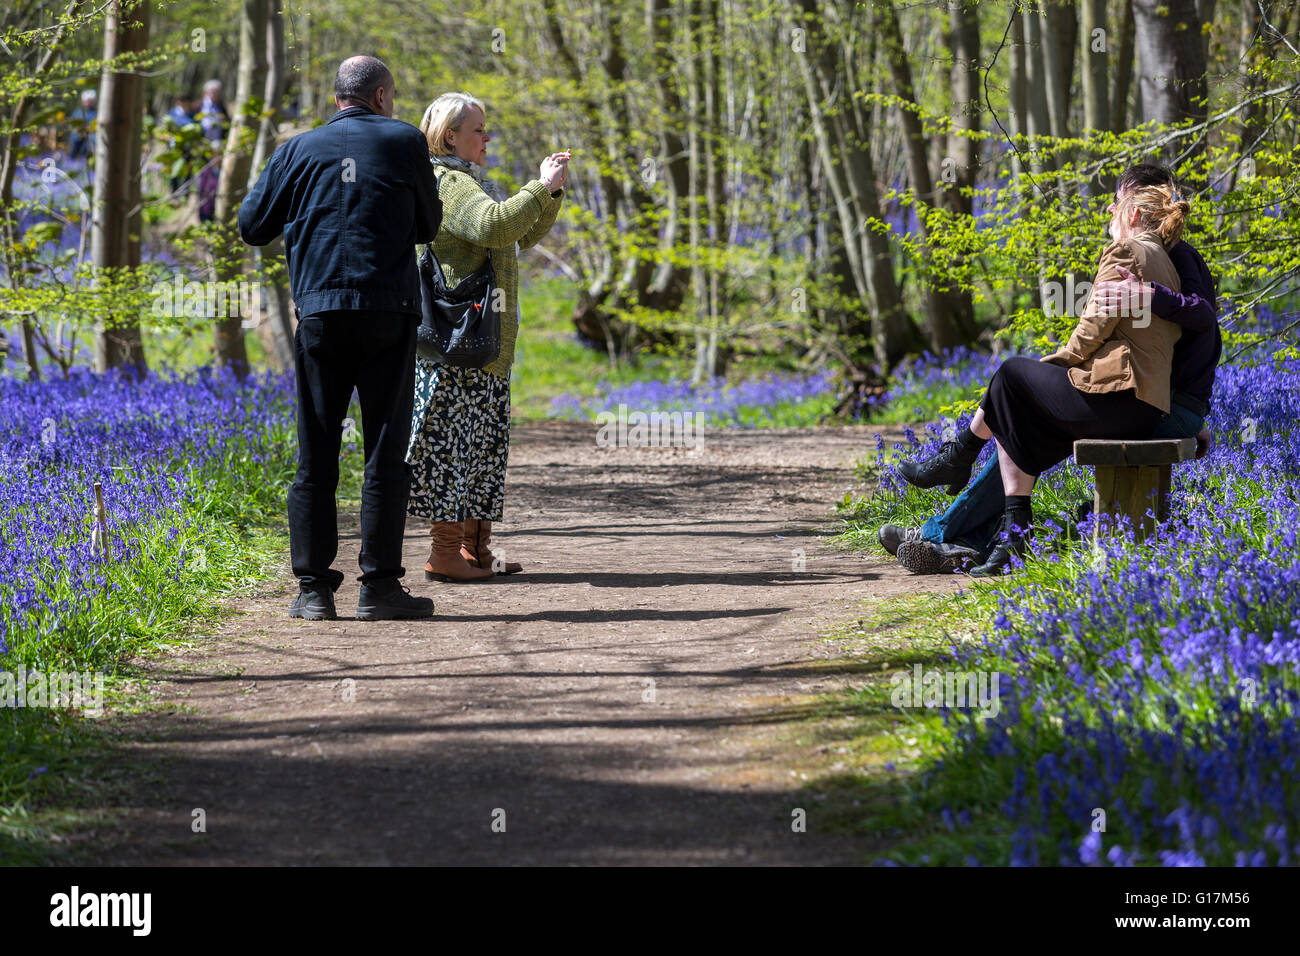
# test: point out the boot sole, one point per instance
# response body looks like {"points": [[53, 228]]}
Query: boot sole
{"points": [[314, 615], [430, 576], [391, 614], [920, 558]]}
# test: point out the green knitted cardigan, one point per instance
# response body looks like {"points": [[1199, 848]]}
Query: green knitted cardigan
{"points": [[474, 224]]}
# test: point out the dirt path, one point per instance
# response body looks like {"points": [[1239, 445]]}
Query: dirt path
{"points": [[613, 700]]}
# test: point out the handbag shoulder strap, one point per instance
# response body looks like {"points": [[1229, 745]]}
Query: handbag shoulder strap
{"points": [[438, 172]]}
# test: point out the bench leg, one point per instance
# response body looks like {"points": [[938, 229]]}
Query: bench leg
{"points": [[1131, 490]]}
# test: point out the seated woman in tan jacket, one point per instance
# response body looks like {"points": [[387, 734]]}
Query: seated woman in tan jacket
{"points": [[1110, 380]]}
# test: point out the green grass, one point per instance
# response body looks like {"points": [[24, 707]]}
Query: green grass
{"points": [[925, 406], [879, 749], [235, 521], [46, 750], [894, 745], [882, 794], [549, 360]]}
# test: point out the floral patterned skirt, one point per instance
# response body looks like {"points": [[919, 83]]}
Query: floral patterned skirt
{"points": [[460, 439]]}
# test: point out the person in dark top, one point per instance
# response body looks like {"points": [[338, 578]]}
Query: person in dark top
{"points": [[965, 533], [352, 198], [82, 143], [177, 118], [1195, 310]]}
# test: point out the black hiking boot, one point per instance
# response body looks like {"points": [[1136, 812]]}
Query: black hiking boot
{"points": [[1009, 542], [389, 601], [891, 536], [314, 606], [930, 557], [944, 467]]}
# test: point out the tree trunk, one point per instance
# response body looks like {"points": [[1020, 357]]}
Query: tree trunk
{"points": [[668, 288], [236, 164], [1019, 113], [621, 283], [1039, 122], [715, 195], [1205, 11], [850, 174], [964, 26], [698, 170], [278, 329], [1095, 66], [950, 312], [1172, 82], [1057, 48], [1124, 71], [116, 206]]}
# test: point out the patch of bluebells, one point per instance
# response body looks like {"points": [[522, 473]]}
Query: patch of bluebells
{"points": [[961, 368], [723, 403], [153, 443], [1159, 683]]}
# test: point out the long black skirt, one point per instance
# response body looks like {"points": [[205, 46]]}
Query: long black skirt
{"points": [[1036, 413]]}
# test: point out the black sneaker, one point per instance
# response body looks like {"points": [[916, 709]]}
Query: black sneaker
{"points": [[891, 536], [389, 601], [928, 557], [314, 606]]}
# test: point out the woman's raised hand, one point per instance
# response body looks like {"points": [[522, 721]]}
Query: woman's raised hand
{"points": [[554, 170]]}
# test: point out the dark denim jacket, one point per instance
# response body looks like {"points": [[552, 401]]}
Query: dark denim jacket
{"points": [[353, 198]]}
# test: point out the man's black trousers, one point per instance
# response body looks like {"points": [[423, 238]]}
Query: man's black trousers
{"points": [[333, 353]]}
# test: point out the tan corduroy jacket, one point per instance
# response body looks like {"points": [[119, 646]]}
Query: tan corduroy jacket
{"points": [[474, 224], [1112, 353]]}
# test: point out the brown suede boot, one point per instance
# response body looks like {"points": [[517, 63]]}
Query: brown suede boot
{"points": [[474, 548], [445, 561]]}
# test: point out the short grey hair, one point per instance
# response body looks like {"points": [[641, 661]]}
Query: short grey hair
{"points": [[358, 78]]}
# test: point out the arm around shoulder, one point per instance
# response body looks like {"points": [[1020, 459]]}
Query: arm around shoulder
{"points": [[1094, 327]]}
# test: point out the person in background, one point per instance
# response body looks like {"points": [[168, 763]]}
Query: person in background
{"points": [[460, 433], [213, 115], [82, 142], [215, 120], [964, 535], [180, 114], [178, 117], [352, 199]]}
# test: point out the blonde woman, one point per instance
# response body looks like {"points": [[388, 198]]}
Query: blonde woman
{"points": [[1111, 379], [460, 431]]}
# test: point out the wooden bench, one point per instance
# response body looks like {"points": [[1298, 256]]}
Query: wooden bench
{"points": [[1133, 477]]}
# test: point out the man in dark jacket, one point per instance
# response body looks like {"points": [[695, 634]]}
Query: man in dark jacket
{"points": [[352, 198]]}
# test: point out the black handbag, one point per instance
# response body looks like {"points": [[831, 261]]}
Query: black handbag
{"points": [[460, 326]]}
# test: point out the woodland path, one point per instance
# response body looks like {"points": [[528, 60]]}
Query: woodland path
{"points": [[532, 693]]}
